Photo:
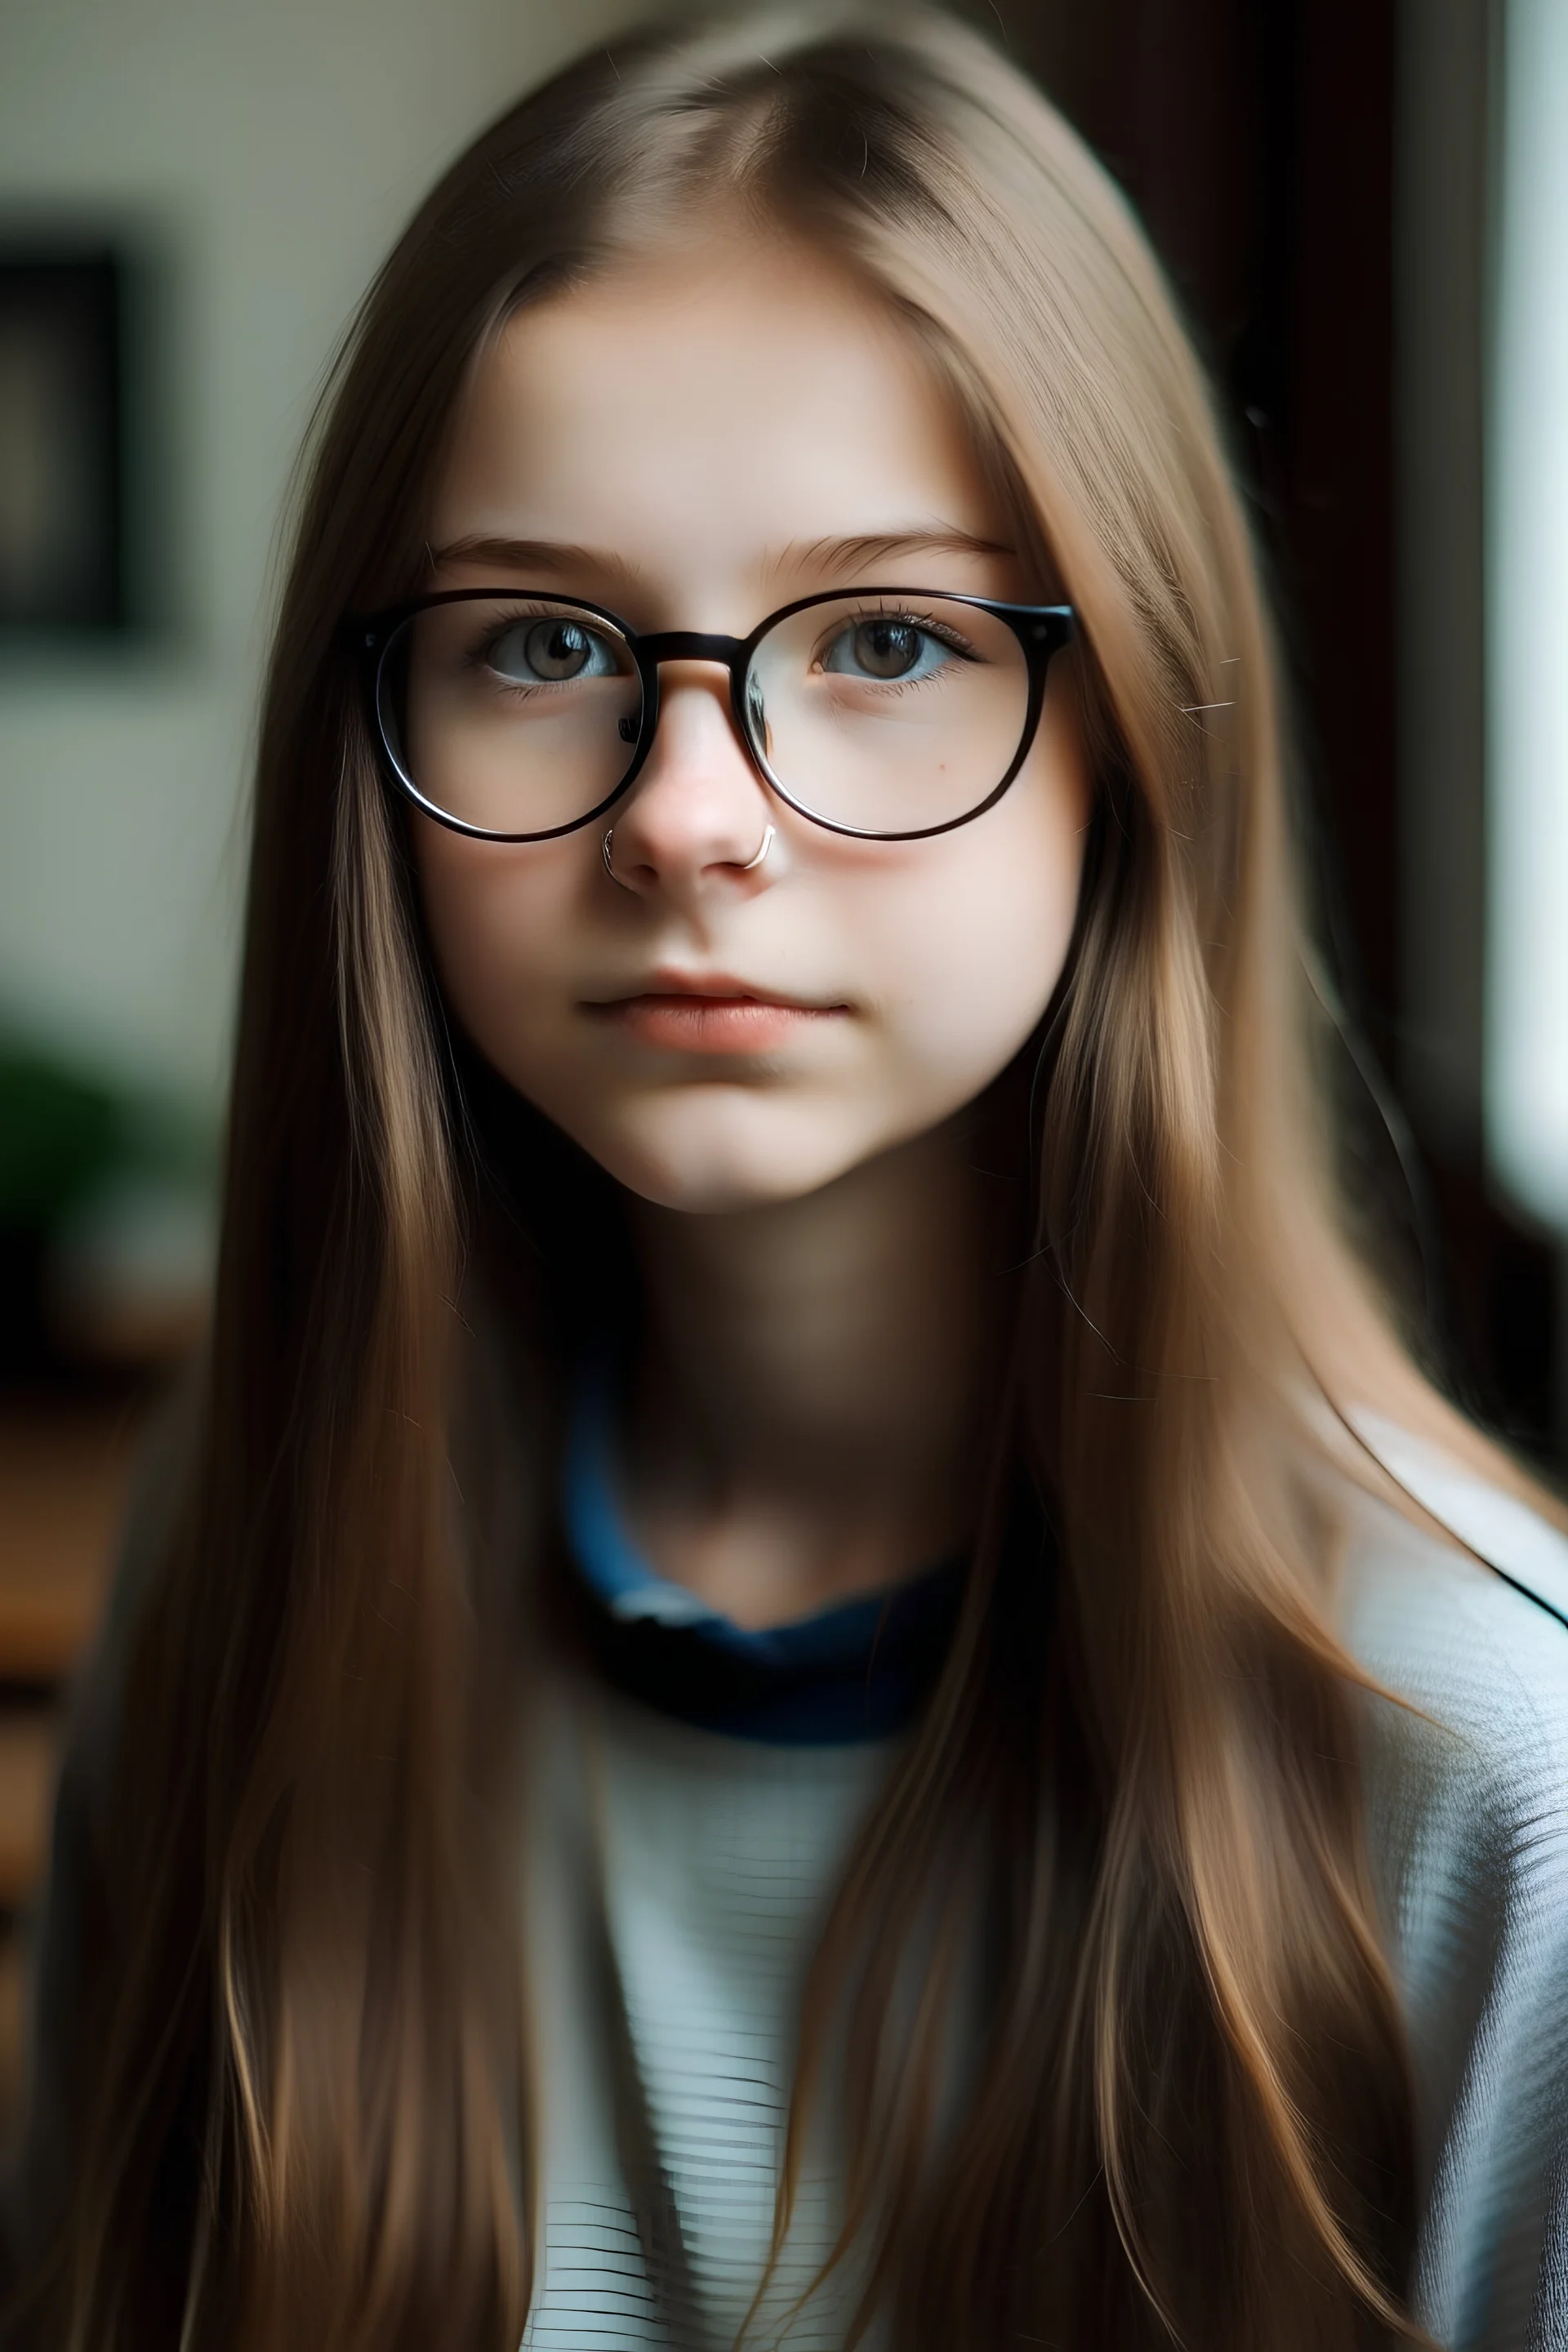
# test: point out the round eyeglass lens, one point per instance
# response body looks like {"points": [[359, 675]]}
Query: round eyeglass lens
{"points": [[515, 715], [888, 716]]}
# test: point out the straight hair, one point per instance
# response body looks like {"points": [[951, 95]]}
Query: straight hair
{"points": [[303, 2101]]}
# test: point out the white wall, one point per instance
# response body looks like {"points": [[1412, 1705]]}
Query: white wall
{"points": [[272, 147]]}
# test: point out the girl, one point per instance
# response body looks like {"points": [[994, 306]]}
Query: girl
{"points": [[812, 1669]]}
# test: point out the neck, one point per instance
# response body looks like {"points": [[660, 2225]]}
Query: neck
{"points": [[817, 1383]]}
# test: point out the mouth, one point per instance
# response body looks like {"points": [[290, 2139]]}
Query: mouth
{"points": [[712, 1013]]}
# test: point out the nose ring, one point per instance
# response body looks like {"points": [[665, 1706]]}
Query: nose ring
{"points": [[750, 866]]}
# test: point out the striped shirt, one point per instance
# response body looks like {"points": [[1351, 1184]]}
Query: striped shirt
{"points": [[689, 1866]]}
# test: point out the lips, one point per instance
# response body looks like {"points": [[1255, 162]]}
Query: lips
{"points": [[712, 1013]]}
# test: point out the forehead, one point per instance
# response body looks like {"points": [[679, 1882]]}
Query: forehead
{"points": [[696, 414]]}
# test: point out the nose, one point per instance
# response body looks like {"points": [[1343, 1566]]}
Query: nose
{"points": [[699, 812]]}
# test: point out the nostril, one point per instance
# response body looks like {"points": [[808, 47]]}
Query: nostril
{"points": [[628, 729]]}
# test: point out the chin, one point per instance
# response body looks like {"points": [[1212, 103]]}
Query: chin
{"points": [[722, 1175]]}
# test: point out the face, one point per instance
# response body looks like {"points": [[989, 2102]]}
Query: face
{"points": [[692, 447]]}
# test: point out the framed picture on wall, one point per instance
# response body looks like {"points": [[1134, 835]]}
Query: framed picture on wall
{"points": [[61, 435]]}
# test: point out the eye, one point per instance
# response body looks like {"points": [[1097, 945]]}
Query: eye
{"points": [[549, 652], [888, 647]]}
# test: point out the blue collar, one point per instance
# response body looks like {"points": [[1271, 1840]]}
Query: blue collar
{"points": [[857, 1671]]}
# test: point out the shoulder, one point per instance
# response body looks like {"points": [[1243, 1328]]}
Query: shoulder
{"points": [[1467, 1786], [1469, 1629], [1466, 1758]]}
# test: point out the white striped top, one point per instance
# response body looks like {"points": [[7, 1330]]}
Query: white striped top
{"points": [[681, 1876]]}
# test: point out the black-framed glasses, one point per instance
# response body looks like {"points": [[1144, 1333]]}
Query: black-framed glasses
{"points": [[885, 713]]}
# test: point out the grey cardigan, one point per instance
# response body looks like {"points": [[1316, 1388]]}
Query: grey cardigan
{"points": [[1469, 1830]]}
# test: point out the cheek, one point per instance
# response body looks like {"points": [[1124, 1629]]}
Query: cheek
{"points": [[500, 922], [979, 936]]}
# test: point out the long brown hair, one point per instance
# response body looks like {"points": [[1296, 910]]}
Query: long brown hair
{"points": [[304, 2110]]}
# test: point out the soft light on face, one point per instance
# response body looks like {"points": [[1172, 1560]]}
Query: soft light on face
{"points": [[692, 447]]}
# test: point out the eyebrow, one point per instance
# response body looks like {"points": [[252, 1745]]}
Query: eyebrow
{"points": [[871, 547], [531, 555], [828, 555]]}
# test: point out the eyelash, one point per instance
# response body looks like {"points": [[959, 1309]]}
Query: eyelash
{"points": [[940, 630]]}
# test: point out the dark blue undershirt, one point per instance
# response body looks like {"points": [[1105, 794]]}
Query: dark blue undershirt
{"points": [[856, 1671]]}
